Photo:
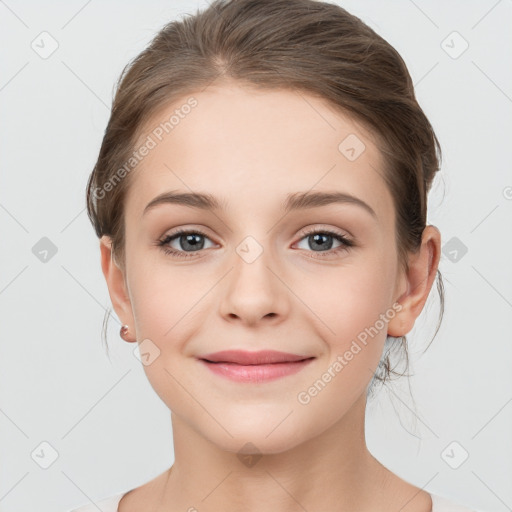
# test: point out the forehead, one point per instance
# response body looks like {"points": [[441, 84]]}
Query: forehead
{"points": [[242, 144]]}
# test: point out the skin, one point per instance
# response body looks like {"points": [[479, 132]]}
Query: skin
{"points": [[250, 148]]}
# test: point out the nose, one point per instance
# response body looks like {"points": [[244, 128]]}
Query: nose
{"points": [[254, 292]]}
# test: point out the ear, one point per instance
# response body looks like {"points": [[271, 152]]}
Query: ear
{"points": [[423, 267], [116, 283]]}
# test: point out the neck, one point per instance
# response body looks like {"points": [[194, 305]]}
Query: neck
{"points": [[332, 471]]}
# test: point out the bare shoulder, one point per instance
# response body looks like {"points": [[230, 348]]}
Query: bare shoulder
{"points": [[416, 500], [397, 494], [140, 497]]}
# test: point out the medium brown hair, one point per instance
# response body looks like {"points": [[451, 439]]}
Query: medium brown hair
{"points": [[303, 45]]}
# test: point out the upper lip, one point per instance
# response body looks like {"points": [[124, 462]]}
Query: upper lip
{"points": [[246, 358]]}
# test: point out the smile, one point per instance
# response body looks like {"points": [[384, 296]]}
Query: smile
{"points": [[255, 372]]}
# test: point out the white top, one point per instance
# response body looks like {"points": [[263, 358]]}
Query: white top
{"points": [[439, 504]]}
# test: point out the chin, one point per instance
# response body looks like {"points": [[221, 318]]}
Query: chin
{"points": [[259, 437], [256, 443]]}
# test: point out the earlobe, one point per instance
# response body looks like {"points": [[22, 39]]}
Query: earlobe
{"points": [[423, 267], [116, 284]]}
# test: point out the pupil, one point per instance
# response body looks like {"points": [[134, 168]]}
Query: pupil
{"points": [[193, 241], [317, 240]]}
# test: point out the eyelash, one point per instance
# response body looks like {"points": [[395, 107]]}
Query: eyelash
{"points": [[346, 243]]}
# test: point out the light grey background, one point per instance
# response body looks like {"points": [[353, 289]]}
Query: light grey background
{"points": [[108, 426]]}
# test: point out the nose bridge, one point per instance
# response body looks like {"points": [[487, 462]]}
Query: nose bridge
{"points": [[253, 291], [252, 261]]}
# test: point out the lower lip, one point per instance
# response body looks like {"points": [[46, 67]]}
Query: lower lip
{"points": [[256, 372]]}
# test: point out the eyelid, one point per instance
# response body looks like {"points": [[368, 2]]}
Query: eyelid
{"points": [[346, 243], [320, 226], [175, 234], [310, 229], [195, 228]]}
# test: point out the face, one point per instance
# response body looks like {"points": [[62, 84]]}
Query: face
{"points": [[266, 268]]}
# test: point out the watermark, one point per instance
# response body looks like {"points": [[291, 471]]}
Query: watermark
{"points": [[304, 397], [351, 147], [152, 140], [44, 454], [249, 249], [454, 455], [146, 352], [454, 45], [454, 249], [44, 45], [249, 455], [44, 250]]}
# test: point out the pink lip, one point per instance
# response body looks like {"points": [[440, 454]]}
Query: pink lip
{"points": [[259, 366]]}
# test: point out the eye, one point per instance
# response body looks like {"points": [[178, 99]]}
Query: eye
{"points": [[321, 240], [190, 241], [193, 241]]}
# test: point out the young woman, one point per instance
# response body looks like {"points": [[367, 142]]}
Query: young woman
{"points": [[260, 197]]}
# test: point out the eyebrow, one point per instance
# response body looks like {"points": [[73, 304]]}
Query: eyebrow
{"points": [[295, 201]]}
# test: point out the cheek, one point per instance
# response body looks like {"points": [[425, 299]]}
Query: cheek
{"points": [[165, 298], [349, 305], [167, 305], [346, 300]]}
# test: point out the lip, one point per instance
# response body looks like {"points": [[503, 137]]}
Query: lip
{"points": [[244, 357], [262, 366]]}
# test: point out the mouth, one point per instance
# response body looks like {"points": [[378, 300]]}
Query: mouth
{"points": [[262, 366], [243, 357]]}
